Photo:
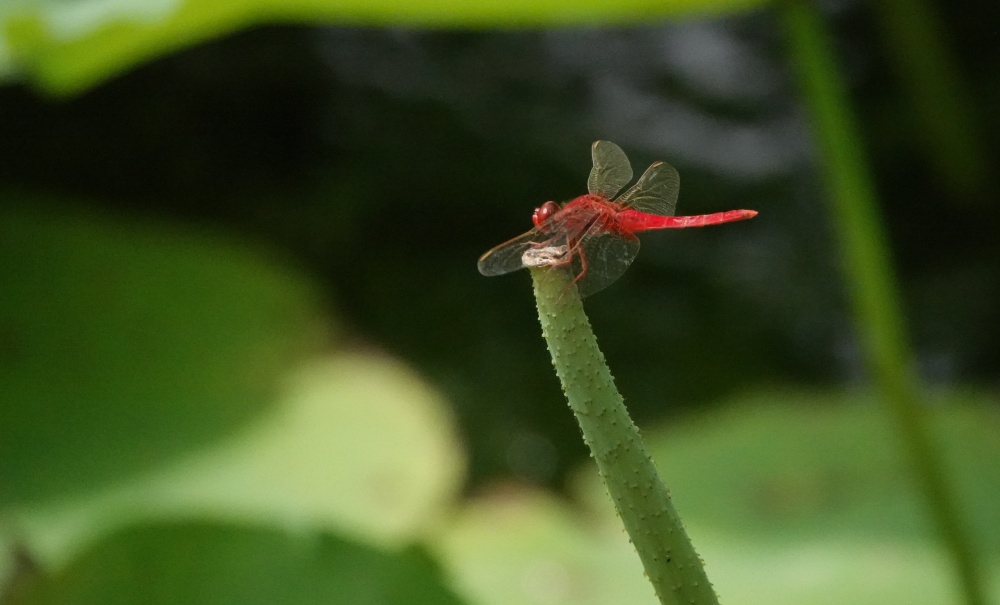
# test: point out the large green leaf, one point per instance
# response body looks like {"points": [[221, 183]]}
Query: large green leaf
{"points": [[358, 445], [220, 565], [65, 47], [124, 343], [779, 467]]}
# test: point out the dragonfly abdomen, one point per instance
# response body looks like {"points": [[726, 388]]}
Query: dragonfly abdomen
{"points": [[632, 220]]}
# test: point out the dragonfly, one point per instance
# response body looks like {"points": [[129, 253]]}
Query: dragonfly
{"points": [[593, 235]]}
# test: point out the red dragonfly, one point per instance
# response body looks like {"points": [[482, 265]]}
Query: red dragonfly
{"points": [[594, 234]]}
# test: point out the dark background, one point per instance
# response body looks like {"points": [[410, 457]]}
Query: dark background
{"points": [[386, 160]]}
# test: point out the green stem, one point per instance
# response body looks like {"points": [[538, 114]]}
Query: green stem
{"points": [[643, 503], [943, 107], [873, 290]]}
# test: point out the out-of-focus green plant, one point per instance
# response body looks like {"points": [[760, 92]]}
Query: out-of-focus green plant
{"points": [[203, 562], [944, 111], [870, 279], [127, 343], [792, 497], [66, 48], [313, 501]]}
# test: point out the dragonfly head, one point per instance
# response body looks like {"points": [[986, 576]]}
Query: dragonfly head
{"points": [[543, 212]]}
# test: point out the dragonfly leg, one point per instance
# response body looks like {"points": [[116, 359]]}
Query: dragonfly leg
{"points": [[583, 268]]}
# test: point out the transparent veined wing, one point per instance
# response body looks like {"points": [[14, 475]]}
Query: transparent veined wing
{"points": [[506, 257], [603, 257], [655, 192], [611, 171], [544, 245], [554, 241]]}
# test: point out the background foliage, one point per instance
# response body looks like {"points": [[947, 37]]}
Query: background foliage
{"points": [[197, 199]]}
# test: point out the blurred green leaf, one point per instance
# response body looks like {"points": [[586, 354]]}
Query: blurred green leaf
{"points": [[948, 125], [866, 259], [67, 47], [360, 445], [123, 343], [790, 499], [216, 564], [783, 467], [521, 545]]}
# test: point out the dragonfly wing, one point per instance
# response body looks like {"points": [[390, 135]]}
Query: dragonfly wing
{"points": [[508, 256], [611, 171], [604, 256], [655, 192]]}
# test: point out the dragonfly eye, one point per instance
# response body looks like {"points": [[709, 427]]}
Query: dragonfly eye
{"points": [[543, 212]]}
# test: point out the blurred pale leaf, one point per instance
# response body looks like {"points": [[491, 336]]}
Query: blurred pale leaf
{"points": [[218, 564], [789, 464], [359, 444], [790, 499], [124, 343], [65, 47], [520, 545]]}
